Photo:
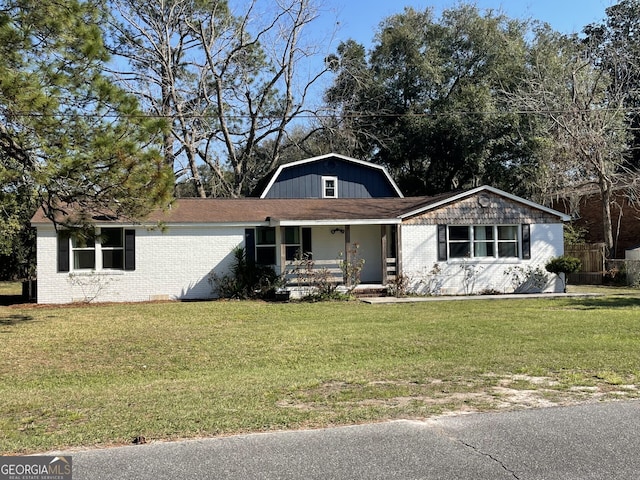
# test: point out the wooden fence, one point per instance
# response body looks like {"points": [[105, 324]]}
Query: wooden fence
{"points": [[592, 256]]}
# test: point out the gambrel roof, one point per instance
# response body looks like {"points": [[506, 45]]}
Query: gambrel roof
{"points": [[296, 179]]}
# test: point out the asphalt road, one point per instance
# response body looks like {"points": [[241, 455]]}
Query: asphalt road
{"points": [[592, 441]]}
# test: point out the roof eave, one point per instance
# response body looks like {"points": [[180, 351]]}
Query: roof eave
{"points": [[334, 221], [486, 188]]}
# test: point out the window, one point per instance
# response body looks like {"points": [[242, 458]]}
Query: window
{"points": [[266, 245], [459, 242], [297, 242], [104, 249], [112, 247], [293, 248], [481, 241], [329, 187], [508, 241], [84, 251]]}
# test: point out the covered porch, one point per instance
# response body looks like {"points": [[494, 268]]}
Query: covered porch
{"points": [[352, 254]]}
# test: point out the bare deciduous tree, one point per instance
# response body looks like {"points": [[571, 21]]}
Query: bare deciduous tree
{"points": [[230, 81], [580, 119]]}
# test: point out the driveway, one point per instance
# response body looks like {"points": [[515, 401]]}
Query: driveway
{"points": [[590, 441]]}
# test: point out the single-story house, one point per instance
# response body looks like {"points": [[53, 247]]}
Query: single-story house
{"points": [[465, 242]]}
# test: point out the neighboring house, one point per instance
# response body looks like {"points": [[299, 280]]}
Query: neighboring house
{"points": [[456, 243], [584, 205]]}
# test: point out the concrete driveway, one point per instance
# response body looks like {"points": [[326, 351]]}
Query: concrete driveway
{"points": [[590, 441]]}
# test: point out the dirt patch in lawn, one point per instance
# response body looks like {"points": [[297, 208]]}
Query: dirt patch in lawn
{"points": [[436, 397]]}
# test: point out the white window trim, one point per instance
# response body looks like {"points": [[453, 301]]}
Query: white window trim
{"points": [[72, 256], [496, 242], [97, 249], [324, 187], [100, 248]]}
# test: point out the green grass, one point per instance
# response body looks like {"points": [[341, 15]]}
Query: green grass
{"points": [[10, 288], [84, 376]]}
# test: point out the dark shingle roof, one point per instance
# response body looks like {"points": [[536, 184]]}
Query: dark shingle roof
{"points": [[255, 210]]}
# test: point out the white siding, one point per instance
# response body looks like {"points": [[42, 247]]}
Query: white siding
{"points": [[330, 247], [326, 247], [176, 263], [429, 276], [368, 238], [170, 264]]}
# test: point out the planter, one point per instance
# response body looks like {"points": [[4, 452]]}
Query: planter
{"points": [[282, 296]]}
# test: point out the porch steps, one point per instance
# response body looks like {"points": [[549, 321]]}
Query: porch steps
{"points": [[370, 291]]}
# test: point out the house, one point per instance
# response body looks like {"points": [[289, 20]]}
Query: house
{"points": [[584, 205], [462, 242]]}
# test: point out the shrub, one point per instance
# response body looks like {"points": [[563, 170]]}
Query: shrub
{"points": [[562, 266], [399, 286], [490, 291], [317, 284], [246, 279], [351, 266]]}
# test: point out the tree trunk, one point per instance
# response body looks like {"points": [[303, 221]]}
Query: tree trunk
{"points": [[607, 224]]}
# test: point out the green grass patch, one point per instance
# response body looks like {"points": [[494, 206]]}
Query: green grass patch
{"points": [[10, 288], [102, 375]]}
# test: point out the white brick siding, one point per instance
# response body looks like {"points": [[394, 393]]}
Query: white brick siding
{"points": [[429, 276], [170, 264], [176, 263]]}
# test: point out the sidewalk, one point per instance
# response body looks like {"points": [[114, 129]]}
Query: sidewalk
{"points": [[506, 296]]}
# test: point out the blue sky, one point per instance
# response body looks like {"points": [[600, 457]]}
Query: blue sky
{"points": [[340, 20], [359, 19]]}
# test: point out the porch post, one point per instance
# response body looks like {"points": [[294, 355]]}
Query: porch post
{"points": [[347, 252], [383, 247], [398, 250], [283, 252]]}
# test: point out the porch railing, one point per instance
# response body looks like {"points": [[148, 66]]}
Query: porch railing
{"points": [[311, 272], [391, 269]]}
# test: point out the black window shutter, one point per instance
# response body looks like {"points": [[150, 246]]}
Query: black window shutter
{"points": [[442, 243], [526, 241], [250, 244], [129, 249], [306, 242], [63, 252]]}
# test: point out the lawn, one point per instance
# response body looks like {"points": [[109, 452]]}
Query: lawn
{"points": [[101, 375], [10, 288]]}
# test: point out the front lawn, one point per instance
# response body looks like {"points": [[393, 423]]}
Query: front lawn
{"points": [[10, 288], [101, 375]]}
